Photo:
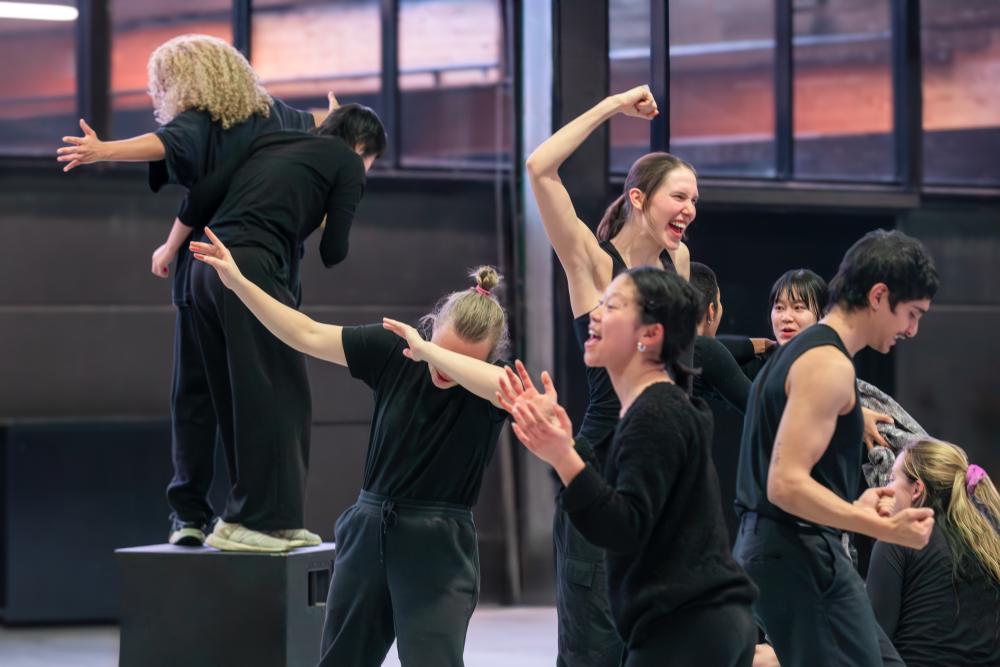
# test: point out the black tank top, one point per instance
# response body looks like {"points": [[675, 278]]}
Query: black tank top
{"points": [[839, 469], [602, 409]]}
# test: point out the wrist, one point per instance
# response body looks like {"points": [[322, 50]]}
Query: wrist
{"points": [[569, 465]]}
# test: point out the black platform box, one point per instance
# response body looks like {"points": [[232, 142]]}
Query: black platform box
{"points": [[206, 608]]}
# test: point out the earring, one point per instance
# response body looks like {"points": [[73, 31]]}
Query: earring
{"points": [[641, 346]]}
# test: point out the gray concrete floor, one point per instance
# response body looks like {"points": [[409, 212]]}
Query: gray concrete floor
{"points": [[498, 636]]}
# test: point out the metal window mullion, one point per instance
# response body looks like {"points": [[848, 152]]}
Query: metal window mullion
{"points": [[390, 79], [241, 26], [93, 64], [907, 100], [784, 81], [659, 44]]}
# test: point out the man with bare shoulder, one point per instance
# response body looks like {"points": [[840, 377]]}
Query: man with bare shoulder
{"points": [[800, 463]]}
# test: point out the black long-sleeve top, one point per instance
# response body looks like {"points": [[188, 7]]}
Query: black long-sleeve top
{"points": [[281, 193], [719, 373], [933, 617], [658, 514]]}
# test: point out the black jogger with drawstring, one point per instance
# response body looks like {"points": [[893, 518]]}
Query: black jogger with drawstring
{"points": [[406, 570]]}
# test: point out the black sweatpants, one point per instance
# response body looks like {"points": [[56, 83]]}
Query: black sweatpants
{"points": [[260, 391], [812, 605], [405, 570], [586, 628], [193, 425], [707, 637]]}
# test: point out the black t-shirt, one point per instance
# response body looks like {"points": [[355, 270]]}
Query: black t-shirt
{"points": [[720, 374], [279, 195], [931, 617], [603, 406], [839, 469], [195, 145], [426, 443], [657, 512]]}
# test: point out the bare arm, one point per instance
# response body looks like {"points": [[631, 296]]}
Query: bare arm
{"points": [[820, 388], [479, 377], [573, 242], [682, 262], [323, 341], [89, 149], [166, 253]]}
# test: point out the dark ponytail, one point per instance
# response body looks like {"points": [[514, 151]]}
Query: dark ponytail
{"points": [[647, 174], [666, 298]]}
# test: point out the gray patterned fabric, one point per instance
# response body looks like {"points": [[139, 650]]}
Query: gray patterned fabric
{"points": [[897, 434]]}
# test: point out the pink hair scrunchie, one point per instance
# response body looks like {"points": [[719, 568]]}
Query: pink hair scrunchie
{"points": [[973, 476], [482, 290]]}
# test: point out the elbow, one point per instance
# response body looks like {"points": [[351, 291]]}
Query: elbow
{"points": [[533, 165], [332, 258], [780, 490]]}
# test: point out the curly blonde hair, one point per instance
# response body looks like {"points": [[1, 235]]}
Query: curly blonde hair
{"points": [[206, 73]]}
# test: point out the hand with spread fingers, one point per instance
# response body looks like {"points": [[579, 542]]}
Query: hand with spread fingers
{"points": [[872, 437], [82, 150], [216, 255], [415, 343], [540, 423]]}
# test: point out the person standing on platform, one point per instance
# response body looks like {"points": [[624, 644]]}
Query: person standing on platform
{"points": [[800, 462], [407, 564], [677, 595], [643, 226], [211, 105]]}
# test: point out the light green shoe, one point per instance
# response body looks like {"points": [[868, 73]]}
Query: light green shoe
{"points": [[298, 537], [235, 537]]}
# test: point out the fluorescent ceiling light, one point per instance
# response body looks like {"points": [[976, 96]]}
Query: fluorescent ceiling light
{"points": [[33, 12]]}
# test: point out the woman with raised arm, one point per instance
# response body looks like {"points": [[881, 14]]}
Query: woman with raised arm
{"points": [[407, 565], [644, 226], [677, 595], [940, 605]]}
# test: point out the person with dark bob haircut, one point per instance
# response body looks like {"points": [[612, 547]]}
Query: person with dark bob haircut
{"points": [[677, 595], [799, 466]]}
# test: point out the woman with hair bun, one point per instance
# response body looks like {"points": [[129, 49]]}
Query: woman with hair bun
{"points": [[644, 226], [677, 595], [407, 565], [940, 605]]}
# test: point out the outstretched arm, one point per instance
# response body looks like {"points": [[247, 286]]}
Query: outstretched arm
{"points": [[323, 341], [89, 149], [820, 387], [479, 377], [574, 243]]}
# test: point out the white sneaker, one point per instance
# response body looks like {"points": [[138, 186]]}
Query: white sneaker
{"points": [[236, 537], [298, 537]]}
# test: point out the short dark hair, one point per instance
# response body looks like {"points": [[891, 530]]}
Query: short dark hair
{"points": [[802, 285], [891, 257], [706, 284], [666, 298], [355, 124]]}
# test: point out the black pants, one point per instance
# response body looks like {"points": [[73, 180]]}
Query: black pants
{"points": [[708, 637], [812, 605], [405, 570], [587, 635], [193, 425], [260, 391]]}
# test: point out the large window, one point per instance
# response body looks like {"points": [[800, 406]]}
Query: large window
{"points": [[843, 109], [304, 48], [38, 96], [722, 85], [454, 97], [961, 91], [629, 52], [138, 27]]}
